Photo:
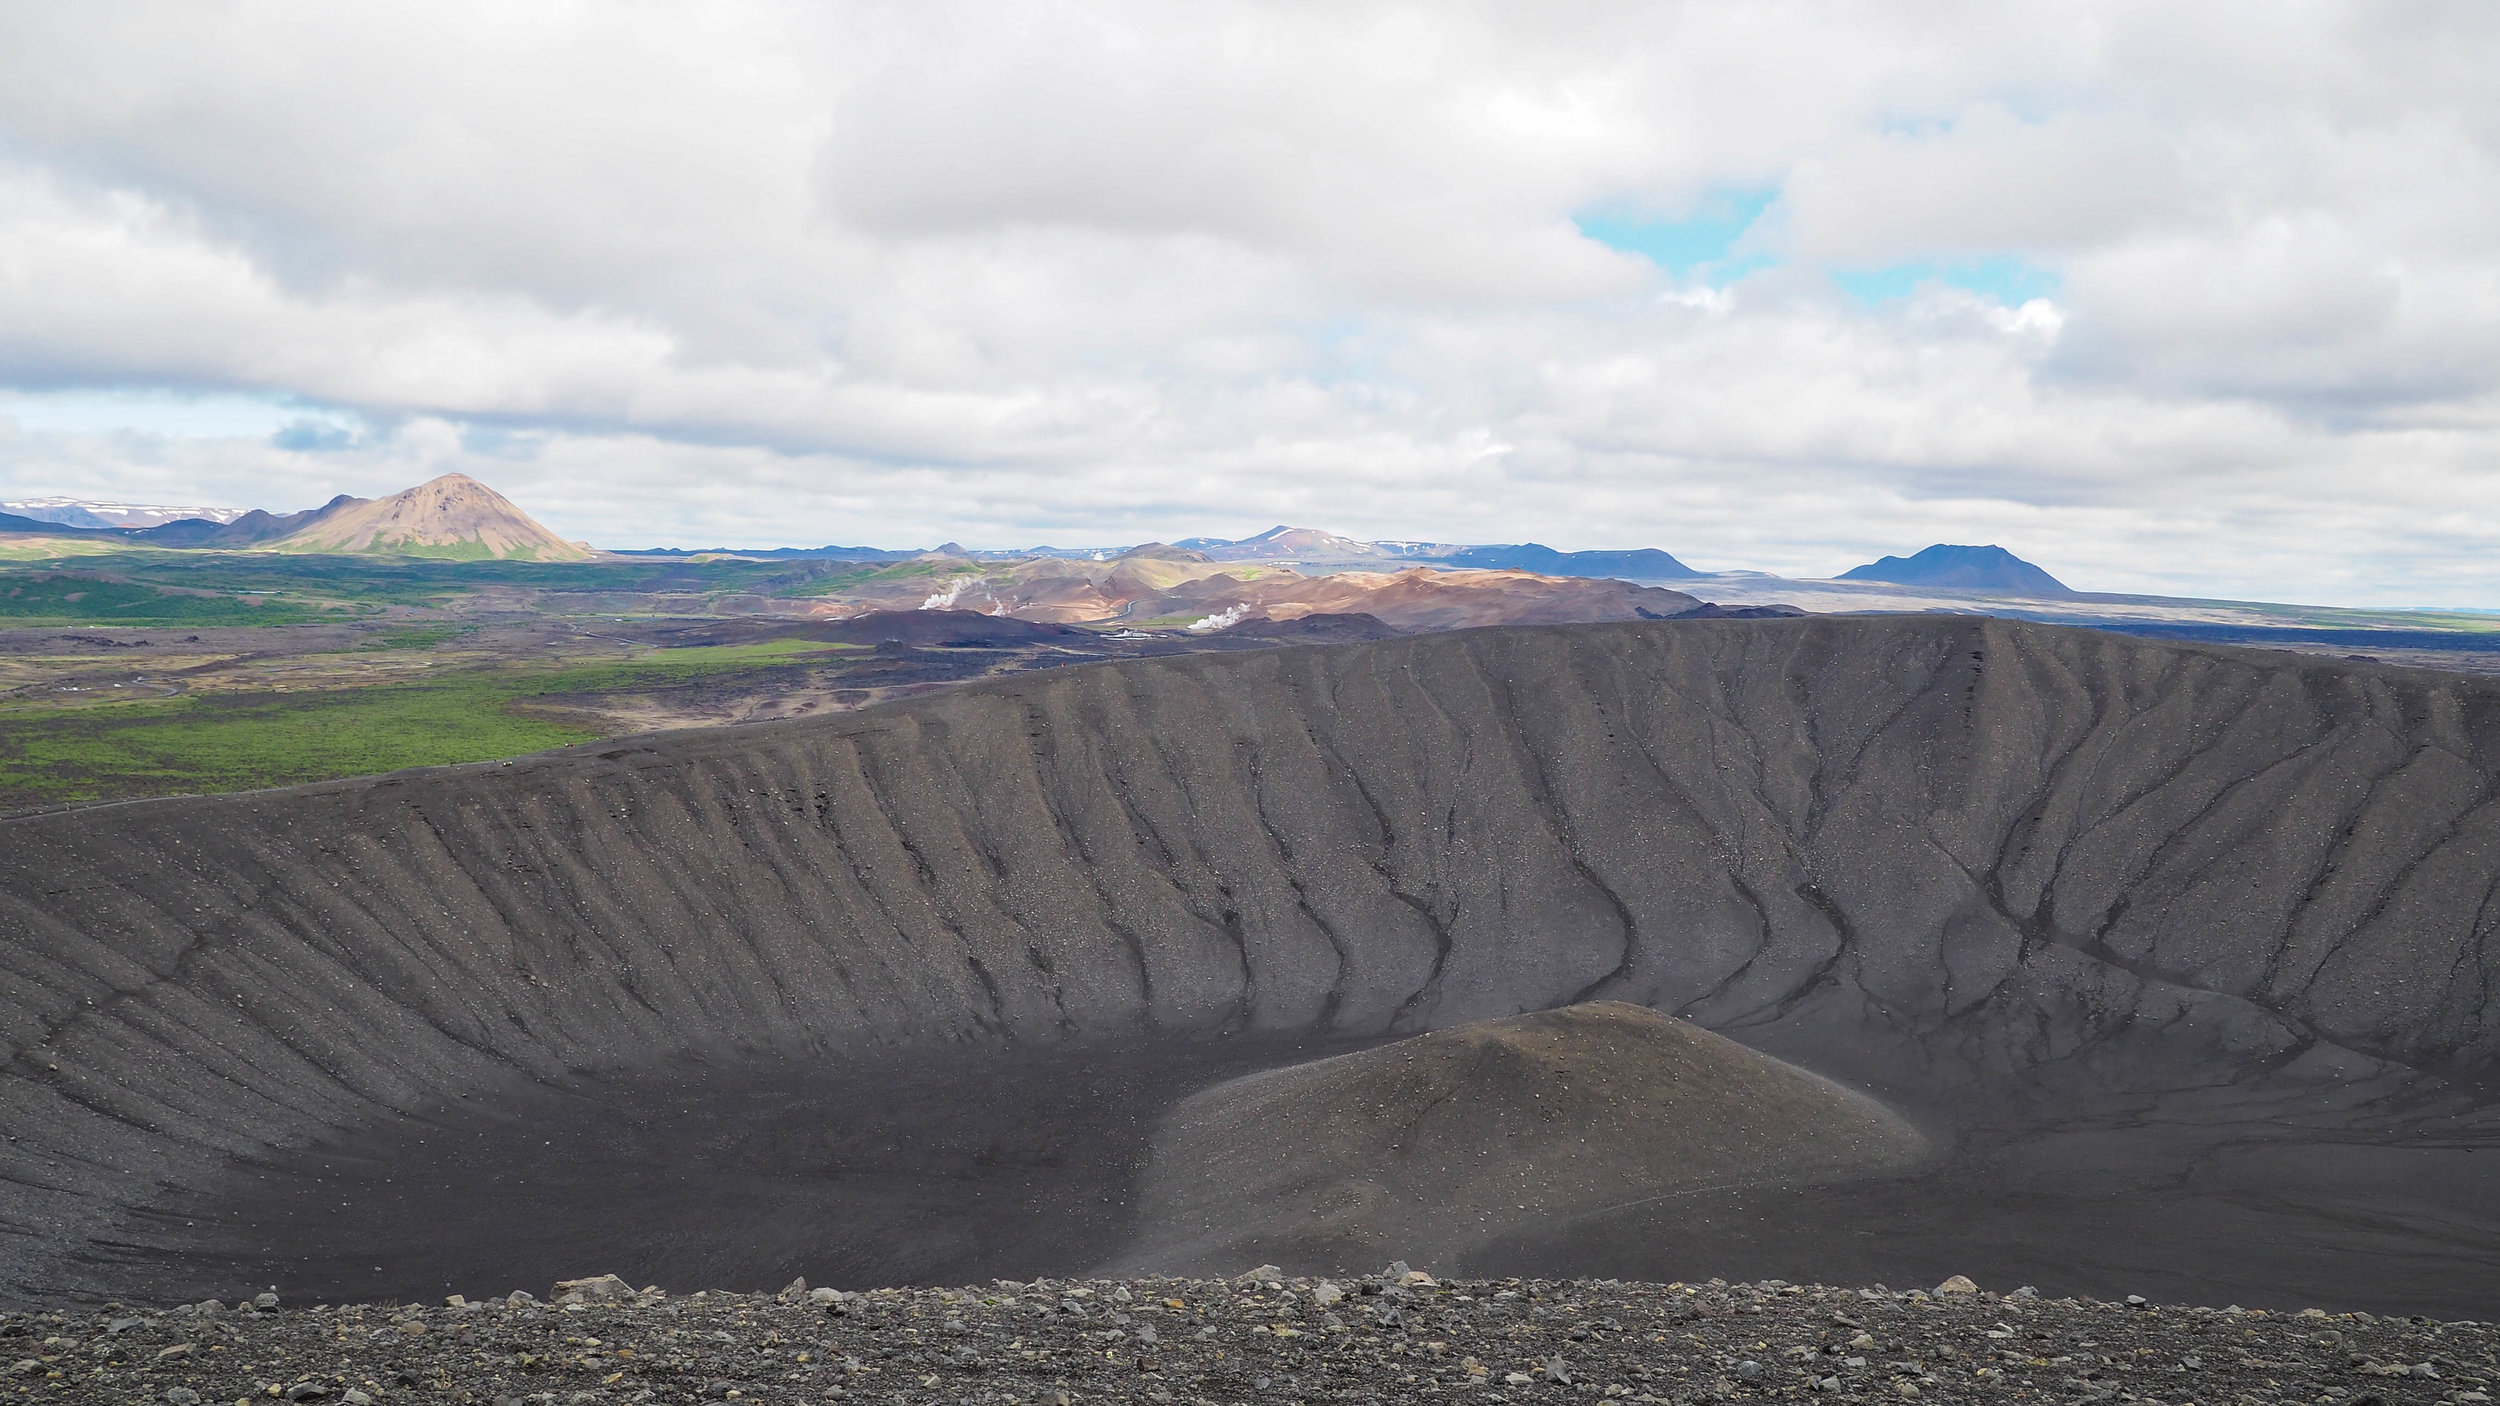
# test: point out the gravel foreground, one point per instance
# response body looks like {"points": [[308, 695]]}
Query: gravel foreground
{"points": [[1263, 1337]]}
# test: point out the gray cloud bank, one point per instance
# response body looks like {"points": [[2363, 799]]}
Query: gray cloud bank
{"points": [[1095, 272]]}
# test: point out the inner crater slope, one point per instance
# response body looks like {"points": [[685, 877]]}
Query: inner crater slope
{"points": [[1993, 872]]}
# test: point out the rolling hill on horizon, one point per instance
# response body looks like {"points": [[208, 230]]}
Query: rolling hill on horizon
{"points": [[451, 516]]}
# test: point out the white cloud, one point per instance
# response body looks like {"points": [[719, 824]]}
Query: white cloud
{"points": [[1096, 271], [1987, 183]]}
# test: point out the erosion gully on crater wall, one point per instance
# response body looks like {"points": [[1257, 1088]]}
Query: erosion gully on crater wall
{"points": [[2185, 952]]}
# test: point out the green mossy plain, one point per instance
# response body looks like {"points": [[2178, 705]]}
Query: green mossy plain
{"points": [[56, 598], [465, 712], [204, 743], [311, 581]]}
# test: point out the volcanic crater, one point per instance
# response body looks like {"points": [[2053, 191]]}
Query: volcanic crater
{"points": [[1864, 948]]}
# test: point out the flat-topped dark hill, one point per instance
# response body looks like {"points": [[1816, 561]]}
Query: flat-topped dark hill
{"points": [[2034, 883], [1989, 568], [1312, 629]]}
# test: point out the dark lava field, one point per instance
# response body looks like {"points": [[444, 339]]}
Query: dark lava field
{"points": [[1901, 948]]}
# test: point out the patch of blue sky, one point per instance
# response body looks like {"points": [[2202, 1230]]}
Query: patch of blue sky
{"points": [[1702, 242], [322, 435], [164, 413], [1350, 351], [498, 441], [2007, 281]]}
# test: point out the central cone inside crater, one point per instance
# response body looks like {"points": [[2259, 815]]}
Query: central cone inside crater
{"points": [[1430, 1148]]}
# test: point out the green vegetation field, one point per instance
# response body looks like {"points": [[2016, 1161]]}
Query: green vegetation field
{"points": [[842, 576], [167, 587], [234, 742], [421, 581], [49, 598]]}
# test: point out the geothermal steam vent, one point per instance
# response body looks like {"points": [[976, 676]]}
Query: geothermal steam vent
{"points": [[2185, 951], [1434, 1145]]}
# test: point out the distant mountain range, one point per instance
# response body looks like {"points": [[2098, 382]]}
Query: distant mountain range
{"points": [[459, 518], [79, 512], [1312, 546], [253, 529], [1281, 543], [453, 516], [1294, 546], [1989, 568]]}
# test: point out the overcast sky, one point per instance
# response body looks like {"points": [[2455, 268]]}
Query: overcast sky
{"points": [[2199, 298]]}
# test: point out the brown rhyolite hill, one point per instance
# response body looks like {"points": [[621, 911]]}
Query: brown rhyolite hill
{"points": [[1281, 543], [452, 516], [1166, 587], [1421, 598]]}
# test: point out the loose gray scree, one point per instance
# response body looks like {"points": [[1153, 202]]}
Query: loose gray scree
{"points": [[2153, 936]]}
